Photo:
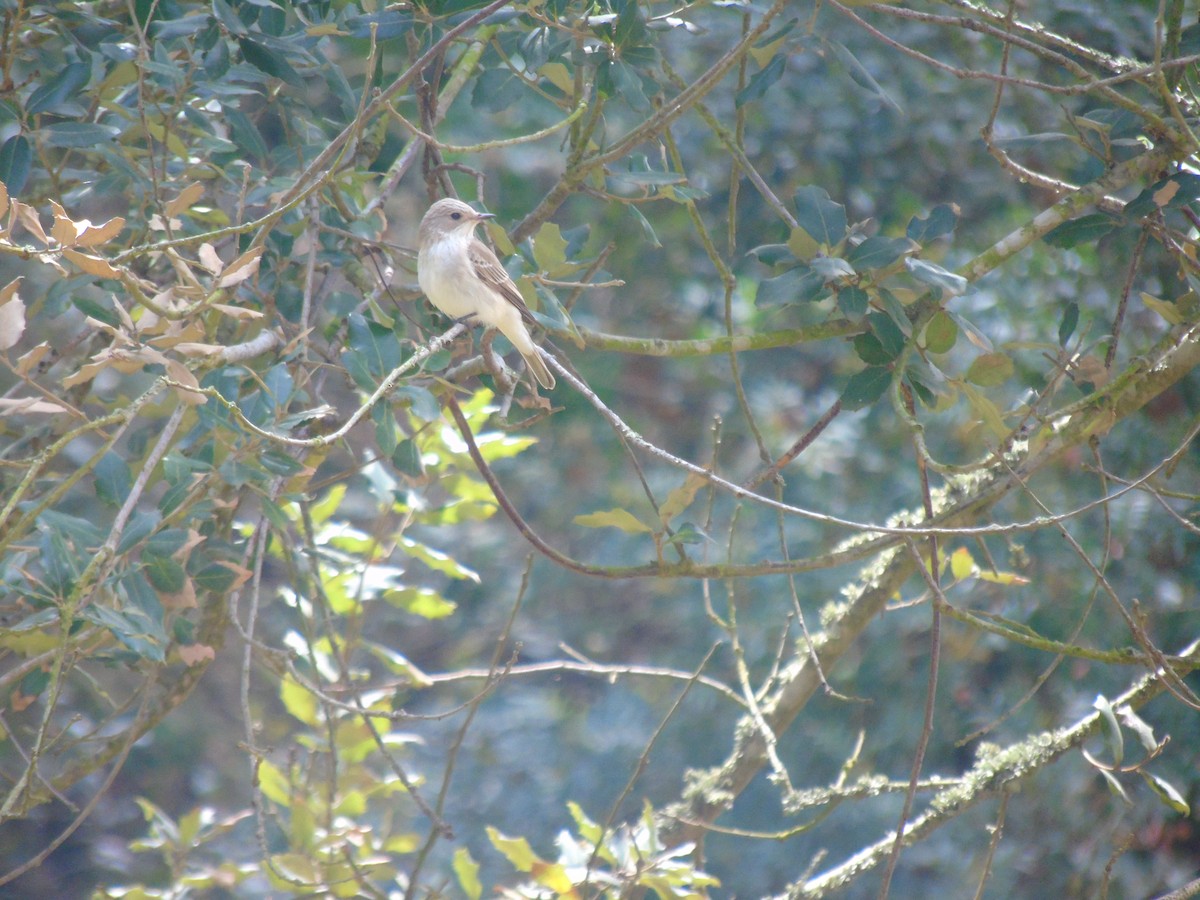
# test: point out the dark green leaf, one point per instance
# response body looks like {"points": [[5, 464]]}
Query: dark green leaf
{"points": [[797, 285], [374, 343], [246, 134], [926, 380], [865, 388], [62, 87], [268, 61], [112, 479], [891, 336], [389, 25], [16, 158], [78, 134], [1084, 230], [853, 302], [895, 311], [762, 80], [131, 628], [420, 402], [279, 463], [385, 428], [824, 220], [772, 254], [141, 524], [407, 459], [1178, 190], [939, 223], [629, 85], [166, 575], [167, 542], [1070, 321], [859, 75]]}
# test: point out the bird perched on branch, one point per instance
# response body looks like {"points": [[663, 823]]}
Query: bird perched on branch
{"points": [[462, 277]]}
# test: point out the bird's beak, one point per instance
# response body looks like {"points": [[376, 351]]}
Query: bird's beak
{"points": [[485, 215]]}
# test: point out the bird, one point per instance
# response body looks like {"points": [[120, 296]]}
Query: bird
{"points": [[463, 278]]}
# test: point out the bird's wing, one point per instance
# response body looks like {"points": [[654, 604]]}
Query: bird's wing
{"points": [[491, 273]]}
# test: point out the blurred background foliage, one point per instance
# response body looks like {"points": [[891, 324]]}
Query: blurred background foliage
{"points": [[266, 628]]}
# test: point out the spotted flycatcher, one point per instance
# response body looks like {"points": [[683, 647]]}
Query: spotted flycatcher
{"points": [[462, 277]]}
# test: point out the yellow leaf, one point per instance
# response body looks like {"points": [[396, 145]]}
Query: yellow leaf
{"points": [[516, 850], [467, 871], [681, 498], [613, 518], [1164, 308]]}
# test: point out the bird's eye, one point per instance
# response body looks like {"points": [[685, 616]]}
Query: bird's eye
{"points": [[456, 216]]}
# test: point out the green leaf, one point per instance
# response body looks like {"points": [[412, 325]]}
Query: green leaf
{"points": [[819, 216], [549, 248], [613, 518], [990, 370], [420, 402], [112, 479], [987, 411], [941, 333], [935, 276], [762, 80], [1084, 230], [939, 223], [1167, 793], [865, 387], [64, 86], [877, 253], [647, 230]]}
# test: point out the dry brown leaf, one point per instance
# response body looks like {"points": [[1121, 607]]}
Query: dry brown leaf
{"points": [[193, 654], [241, 268], [183, 376], [94, 235], [92, 265], [28, 217], [63, 230], [209, 259], [236, 312], [12, 322], [183, 202], [15, 406], [31, 358]]}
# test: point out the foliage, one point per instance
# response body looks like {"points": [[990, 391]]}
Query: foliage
{"points": [[422, 618]]}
